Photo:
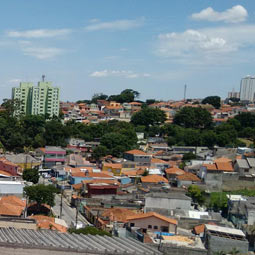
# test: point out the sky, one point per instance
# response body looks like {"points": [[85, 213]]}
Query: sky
{"points": [[105, 46]]}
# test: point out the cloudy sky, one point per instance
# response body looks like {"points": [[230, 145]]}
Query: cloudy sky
{"points": [[152, 46]]}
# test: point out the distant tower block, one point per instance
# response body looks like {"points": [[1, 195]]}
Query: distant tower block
{"points": [[43, 78]]}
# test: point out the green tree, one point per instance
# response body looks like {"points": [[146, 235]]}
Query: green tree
{"points": [[148, 117], [189, 156], [197, 195], [99, 152], [41, 194], [31, 175], [218, 202], [246, 119], [98, 96], [126, 96], [212, 100], [193, 117], [89, 230], [208, 138]]}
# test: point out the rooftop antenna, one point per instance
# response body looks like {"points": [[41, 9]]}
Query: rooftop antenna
{"points": [[185, 90], [43, 77]]}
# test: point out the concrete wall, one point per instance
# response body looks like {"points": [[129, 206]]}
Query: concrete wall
{"points": [[216, 243], [251, 217], [11, 188], [166, 203], [177, 250]]}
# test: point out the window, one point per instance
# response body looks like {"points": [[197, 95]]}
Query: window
{"points": [[149, 226], [132, 224], [155, 227], [164, 229]]}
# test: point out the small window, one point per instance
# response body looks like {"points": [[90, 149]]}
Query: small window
{"points": [[149, 226], [155, 227], [132, 224]]}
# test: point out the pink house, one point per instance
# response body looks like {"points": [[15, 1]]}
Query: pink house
{"points": [[153, 222]]}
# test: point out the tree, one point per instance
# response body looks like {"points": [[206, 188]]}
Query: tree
{"points": [[193, 117], [148, 117], [126, 96], [41, 194], [218, 202], [212, 100], [246, 119], [189, 156], [99, 152], [89, 230], [196, 194], [98, 96], [31, 175], [208, 138]]}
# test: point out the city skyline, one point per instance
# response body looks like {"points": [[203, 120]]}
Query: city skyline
{"points": [[155, 48]]}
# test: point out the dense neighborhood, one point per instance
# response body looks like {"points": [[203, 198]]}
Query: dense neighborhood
{"points": [[117, 175]]}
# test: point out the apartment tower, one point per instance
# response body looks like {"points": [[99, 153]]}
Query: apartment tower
{"points": [[41, 99]]}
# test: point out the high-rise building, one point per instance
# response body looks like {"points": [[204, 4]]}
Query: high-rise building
{"points": [[247, 89], [37, 100]]}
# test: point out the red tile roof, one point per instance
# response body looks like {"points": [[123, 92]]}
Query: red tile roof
{"points": [[152, 214], [175, 170], [153, 179], [188, 177], [136, 152]]}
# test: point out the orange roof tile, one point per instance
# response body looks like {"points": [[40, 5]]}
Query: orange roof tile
{"points": [[118, 214], [152, 214], [175, 170], [5, 173], [227, 166], [210, 166], [201, 228], [10, 209], [136, 152], [112, 165], [188, 177], [222, 160], [100, 175], [13, 200], [158, 161], [154, 179], [108, 181]]}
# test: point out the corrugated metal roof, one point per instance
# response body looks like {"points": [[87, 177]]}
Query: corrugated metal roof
{"points": [[242, 163], [72, 242], [251, 162]]}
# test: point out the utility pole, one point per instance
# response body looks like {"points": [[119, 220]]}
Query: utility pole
{"points": [[77, 212], [61, 203]]}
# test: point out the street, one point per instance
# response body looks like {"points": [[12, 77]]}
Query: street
{"points": [[68, 213]]}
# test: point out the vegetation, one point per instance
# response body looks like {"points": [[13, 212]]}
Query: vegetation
{"points": [[213, 100], [31, 175], [197, 195], [41, 194], [89, 231]]}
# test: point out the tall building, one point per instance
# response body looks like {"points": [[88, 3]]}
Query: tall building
{"points": [[37, 100], [247, 89]]}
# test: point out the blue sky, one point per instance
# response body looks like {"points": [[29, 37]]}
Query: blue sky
{"points": [[152, 46]]}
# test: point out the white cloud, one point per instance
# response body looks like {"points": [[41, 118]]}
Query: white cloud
{"points": [[15, 80], [118, 73], [42, 52], [235, 14], [124, 24], [212, 44], [38, 33]]}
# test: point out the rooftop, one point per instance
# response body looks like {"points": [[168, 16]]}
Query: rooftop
{"points": [[137, 152], [152, 214], [153, 179], [170, 195], [86, 244]]}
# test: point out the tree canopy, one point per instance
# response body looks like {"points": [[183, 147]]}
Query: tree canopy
{"points": [[212, 100], [31, 175], [193, 117], [126, 96], [41, 194], [148, 117]]}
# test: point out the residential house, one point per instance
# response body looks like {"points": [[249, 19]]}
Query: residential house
{"points": [[101, 189], [212, 174], [11, 188], [139, 157], [173, 172], [23, 160], [153, 179], [52, 155], [114, 168], [245, 166], [159, 163], [153, 222], [187, 179], [7, 168], [165, 202]]}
